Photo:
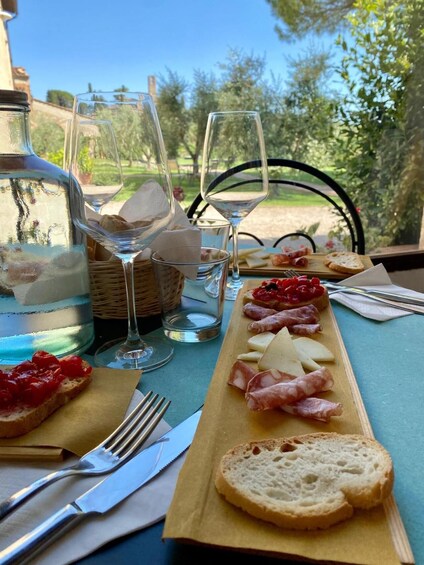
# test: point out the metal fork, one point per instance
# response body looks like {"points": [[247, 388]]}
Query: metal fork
{"points": [[108, 455], [291, 273]]}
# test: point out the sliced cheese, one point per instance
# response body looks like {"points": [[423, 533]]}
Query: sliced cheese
{"points": [[253, 356], [262, 254], [260, 342], [313, 349], [282, 355], [308, 363], [243, 253], [255, 262]]}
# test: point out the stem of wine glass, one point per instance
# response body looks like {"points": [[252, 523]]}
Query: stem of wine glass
{"points": [[234, 284], [235, 277], [133, 337]]}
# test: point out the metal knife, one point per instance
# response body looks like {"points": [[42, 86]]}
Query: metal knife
{"points": [[107, 493]]}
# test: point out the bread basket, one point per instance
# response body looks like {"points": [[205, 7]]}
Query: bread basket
{"points": [[108, 294]]}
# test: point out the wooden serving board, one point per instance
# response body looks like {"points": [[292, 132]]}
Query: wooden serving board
{"points": [[198, 514], [315, 267]]}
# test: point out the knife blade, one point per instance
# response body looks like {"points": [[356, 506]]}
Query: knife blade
{"points": [[106, 494]]}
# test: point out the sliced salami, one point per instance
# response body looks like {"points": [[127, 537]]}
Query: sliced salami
{"points": [[305, 329], [308, 314], [256, 312], [267, 378], [240, 375], [283, 393], [315, 408], [280, 259], [299, 261]]}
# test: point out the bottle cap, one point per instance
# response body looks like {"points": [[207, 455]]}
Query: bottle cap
{"points": [[14, 97]]}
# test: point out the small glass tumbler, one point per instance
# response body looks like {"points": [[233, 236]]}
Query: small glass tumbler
{"points": [[214, 232], [197, 316]]}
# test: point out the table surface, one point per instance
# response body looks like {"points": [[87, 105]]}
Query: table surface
{"points": [[387, 361]]}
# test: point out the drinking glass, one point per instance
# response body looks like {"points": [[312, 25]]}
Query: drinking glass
{"points": [[118, 168], [232, 139]]}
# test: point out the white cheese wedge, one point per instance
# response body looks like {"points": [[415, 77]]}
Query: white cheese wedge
{"points": [[282, 355], [262, 254], [255, 262], [308, 363], [252, 356], [261, 341], [243, 253], [313, 349]]}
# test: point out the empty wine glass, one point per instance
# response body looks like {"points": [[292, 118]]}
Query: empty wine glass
{"points": [[232, 139], [118, 167]]}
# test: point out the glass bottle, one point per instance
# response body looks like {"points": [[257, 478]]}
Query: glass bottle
{"points": [[44, 283]]}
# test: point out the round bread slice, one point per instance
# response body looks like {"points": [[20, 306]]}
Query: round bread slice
{"points": [[347, 262], [306, 482], [320, 302]]}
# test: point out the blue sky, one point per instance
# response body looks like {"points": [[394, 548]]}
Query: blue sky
{"points": [[64, 44]]}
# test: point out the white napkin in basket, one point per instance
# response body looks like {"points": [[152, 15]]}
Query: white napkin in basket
{"points": [[375, 278], [142, 509]]}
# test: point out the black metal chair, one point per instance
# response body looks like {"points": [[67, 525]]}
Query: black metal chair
{"points": [[287, 174]]}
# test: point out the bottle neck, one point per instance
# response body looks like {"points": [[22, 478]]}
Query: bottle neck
{"points": [[15, 136]]}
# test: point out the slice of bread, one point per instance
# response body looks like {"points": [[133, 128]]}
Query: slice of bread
{"points": [[320, 302], [23, 419], [306, 482], [344, 262]]}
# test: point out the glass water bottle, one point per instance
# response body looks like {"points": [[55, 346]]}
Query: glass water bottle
{"points": [[44, 283]]}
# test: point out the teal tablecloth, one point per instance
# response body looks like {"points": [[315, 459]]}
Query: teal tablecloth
{"points": [[387, 359]]}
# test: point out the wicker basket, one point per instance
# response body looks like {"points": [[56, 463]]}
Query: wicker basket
{"points": [[108, 294]]}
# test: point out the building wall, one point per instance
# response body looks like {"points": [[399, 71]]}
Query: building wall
{"points": [[6, 78]]}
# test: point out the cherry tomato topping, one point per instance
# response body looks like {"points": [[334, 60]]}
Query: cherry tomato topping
{"points": [[44, 359], [290, 290], [74, 366], [30, 383]]}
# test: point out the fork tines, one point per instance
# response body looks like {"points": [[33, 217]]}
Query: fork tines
{"points": [[291, 273], [138, 425]]}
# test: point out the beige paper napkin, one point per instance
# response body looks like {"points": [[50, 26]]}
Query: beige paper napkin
{"points": [[375, 278], [142, 509]]}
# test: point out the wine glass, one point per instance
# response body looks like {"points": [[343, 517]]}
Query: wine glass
{"points": [[121, 197], [232, 139]]}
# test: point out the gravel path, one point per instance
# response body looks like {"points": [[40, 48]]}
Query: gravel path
{"points": [[271, 222]]}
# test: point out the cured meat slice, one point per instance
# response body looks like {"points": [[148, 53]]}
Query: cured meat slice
{"points": [[277, 395], [280, 259], [256, 312], [299, 261], [240, 375], [267, 378], [308, 314], [305, 329], [315, 408], [295, 253]]}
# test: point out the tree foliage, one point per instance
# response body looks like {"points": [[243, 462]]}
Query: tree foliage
{"points": [[171, 105], [300, 17], [382, 116], [380, 122], [60, 98], [47, 136]]}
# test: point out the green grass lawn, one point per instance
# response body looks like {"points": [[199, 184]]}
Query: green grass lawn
{"points": [[191, 185]]}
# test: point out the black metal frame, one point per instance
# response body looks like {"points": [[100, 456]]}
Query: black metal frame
{"points": [[353, 221]]}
